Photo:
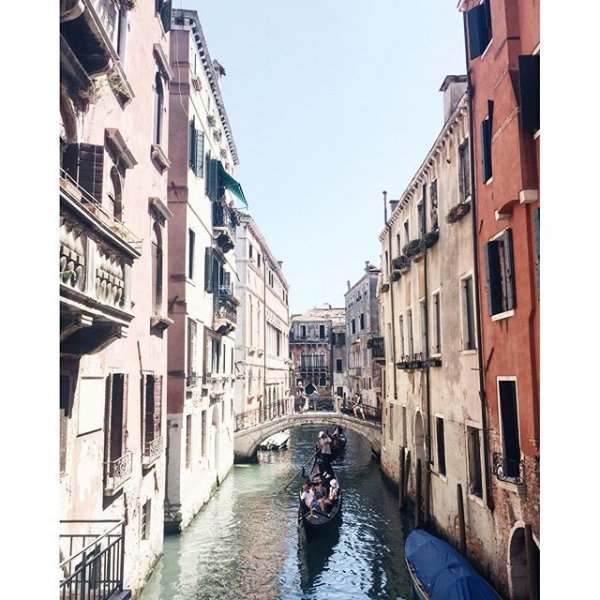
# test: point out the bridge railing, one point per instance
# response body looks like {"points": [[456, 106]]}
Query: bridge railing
{"points": [[367, 412], [264, 414], [315, 403]]}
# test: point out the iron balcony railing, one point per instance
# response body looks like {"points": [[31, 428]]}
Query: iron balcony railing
{"points": [[225, 304], [507, 469], [314, 368], [152, 451], [95, 550], [117, 472]]}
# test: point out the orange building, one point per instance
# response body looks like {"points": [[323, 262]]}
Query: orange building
{"points": [[502, 42]]}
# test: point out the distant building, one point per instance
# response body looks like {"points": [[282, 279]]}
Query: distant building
{"points": [[114, 222], [339, 359], [202, 303], [311, 348], [363, 375], [262, 371]]}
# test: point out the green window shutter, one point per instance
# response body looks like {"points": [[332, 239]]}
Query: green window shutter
{"points": [[208, 269], [479, 24], [84, 163], [213, 179], [529, 91], [192, 144], [199, 154], [157, 413], [492, 277], [511, 301], [486, 149], [165, 15]]}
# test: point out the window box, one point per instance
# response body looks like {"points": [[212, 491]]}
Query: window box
{"points": [[402, 263], [429, 240], [457, 212], [384, 287], [395, 275], [412, 248]]}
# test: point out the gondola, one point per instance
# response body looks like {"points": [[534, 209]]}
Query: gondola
{"points": [[338, 442], [440, 572], [312, 522], [277, 441]]}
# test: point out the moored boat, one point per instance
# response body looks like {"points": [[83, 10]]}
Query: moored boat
{"points": [[312, 520], [277, 441], [440, 572], [338, 442]]}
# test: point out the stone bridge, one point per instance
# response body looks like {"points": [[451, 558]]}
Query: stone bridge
{"points": [[246, 441]]}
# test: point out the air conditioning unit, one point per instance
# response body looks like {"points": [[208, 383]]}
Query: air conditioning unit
{"points": [[197, 82]]}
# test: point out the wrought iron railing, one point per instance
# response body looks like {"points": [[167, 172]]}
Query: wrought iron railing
{"points": [[225, 305], [117, 472], [94, 567], [370, 413], [314, 368], [507, 469], [152, 451]]}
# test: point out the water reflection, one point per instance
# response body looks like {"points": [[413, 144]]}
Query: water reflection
{"points": [[245, 543]]}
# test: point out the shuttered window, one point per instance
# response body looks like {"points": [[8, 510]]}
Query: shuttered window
{"points": [[208, 267], [116, 416], [529, 91], [433, 210], [486, 149], [188, 441], [191, 253], [212, 179], [468, 314], [65, 400], [441, 445], [464, 173], [479, 24], [192, 347], [500, 284], [437, 321], [84, 163], [474, 455], [192, 143], [163, 7], [510, 427], [196, 149]]}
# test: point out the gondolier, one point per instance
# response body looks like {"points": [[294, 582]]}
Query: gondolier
{"points": [[324, 447]]}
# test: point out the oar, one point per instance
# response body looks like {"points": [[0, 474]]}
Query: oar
{"points": [[301, 469]]}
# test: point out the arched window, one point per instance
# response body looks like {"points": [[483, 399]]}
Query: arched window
{"points": [[157, 269], [159, 107], [115, 194]]}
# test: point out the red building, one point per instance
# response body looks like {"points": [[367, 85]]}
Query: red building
{"points": [[502, 40]]}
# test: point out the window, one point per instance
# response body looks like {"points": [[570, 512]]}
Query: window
{"points": [[441, 449], [216, 356], [191, 251], [353, 325], [406, 232], [115, 194], [437, 323], [411, 348], [387, 265], [362, 321], [303, 331], [499, 274], [250, 249], [157, 269], [196, 149], [203, 435], [115, 419], [339, 391], [338, 365], [65, 401], [479, 23], [474, 454], [151, 410], [511, 447], [145, 524], [421, 219], [120, 33], [529, 91], [322, 381], [423, 310], [468, 312], [159, 109], [433, 211], [486, 144], [163, 8], [464, 172], [188, 441], [258, 258], [321, 331], [398, 245], [192, 348], [401, 332]]}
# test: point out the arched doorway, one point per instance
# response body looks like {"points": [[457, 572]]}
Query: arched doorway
{"points": [[517, 564]]}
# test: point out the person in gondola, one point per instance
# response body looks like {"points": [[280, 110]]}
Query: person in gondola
{"points": [[307, 495], [324, 447]]}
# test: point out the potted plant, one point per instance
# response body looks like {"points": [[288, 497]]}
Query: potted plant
{"points": [[457, 212], [428, 240], [395, 275], [413, 247], [384, 287]]}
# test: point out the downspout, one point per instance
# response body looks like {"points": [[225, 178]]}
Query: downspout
{"points": [[426, 354], [387, 266], [264, 269], [480, 364]]}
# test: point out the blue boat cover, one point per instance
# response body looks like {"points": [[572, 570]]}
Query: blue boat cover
{"points": [[443, 571]]}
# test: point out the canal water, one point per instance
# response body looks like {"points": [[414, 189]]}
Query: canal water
{"points": [[245, 544]]}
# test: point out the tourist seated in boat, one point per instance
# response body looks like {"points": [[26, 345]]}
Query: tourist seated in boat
{"points": [[331, 497], [307, 496]]}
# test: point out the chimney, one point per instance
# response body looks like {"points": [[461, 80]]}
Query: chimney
{"points": [[280, 263], [348, 283], [453, 86], [367, 266], [393, 204]]}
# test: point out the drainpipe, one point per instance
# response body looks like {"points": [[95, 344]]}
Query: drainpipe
{"points": [[482, 393], [426, 354], [264, 273], [389, 232]]}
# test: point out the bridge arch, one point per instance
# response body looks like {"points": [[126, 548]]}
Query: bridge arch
{"points": [[247, 441]]}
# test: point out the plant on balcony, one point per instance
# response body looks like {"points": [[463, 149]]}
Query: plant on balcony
{"points": [[66, 275], [234, 299], [384, 287], [116, 84], [412, 248], [428, 240], [457, 212], [401, 262], [395, 275]]}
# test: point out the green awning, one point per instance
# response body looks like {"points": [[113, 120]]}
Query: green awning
{"points": [[229, 183]]}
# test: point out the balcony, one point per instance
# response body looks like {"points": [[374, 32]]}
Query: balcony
{"points": [[377, 347], [507, 469], [95, 261], [95, 552], [225, 311], [116, 473], [224, 221], [314, 368], [152, 451]]}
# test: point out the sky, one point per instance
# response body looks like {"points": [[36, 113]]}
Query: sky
{"points": [[330, 103]]}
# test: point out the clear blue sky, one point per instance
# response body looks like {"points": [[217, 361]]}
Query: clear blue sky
{"points": [[330, 102]]}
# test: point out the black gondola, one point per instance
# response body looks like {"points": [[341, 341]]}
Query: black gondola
{"points": [[313, 521], [338, 442]]}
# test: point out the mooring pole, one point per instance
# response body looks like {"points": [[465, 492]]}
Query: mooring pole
{"points": [[461, 520], [418, 494], [532, 566], [401, 484]]}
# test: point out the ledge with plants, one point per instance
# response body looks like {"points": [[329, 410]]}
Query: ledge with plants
{"points": [[429, 240], [402, 263], [457, 212], [395, 275], [384, 287]]}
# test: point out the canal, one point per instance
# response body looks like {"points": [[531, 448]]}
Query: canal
{"points": [[244, 544]]}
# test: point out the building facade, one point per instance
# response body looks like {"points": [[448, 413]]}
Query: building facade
{"points": [[339, 360], [115, 75], [262, 372], [311, 348], [433, 413], [362, 325], [201, 275], [503, 61]]}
